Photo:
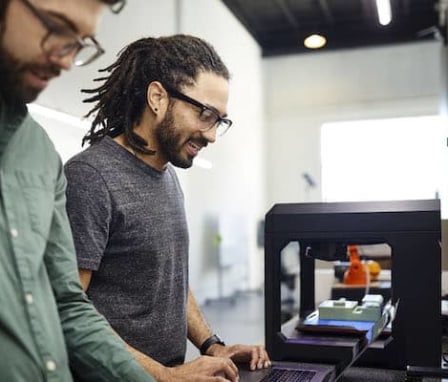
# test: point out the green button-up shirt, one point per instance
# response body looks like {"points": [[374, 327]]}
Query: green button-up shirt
{"points": [[47, 325]]}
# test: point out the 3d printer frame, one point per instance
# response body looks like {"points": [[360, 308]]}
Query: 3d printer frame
{"points": [[413, 231]]}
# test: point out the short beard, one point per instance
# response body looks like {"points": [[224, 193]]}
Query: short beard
{"points": [[169, 141], [13, 90]]}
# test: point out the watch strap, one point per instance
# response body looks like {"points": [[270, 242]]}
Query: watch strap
{"points": [[212, 340]]}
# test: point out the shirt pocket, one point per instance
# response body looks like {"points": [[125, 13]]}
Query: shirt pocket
{"points": [[38, 194]]}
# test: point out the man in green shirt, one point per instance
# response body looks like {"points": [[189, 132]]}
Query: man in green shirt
{"points": [[49, 331]]}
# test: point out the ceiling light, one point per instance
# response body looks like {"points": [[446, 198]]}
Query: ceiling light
{"points": [[384, 11], [37, 111], [315, 41]]}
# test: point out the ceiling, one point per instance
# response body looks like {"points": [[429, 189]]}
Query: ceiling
{"points": [[280, 26]]}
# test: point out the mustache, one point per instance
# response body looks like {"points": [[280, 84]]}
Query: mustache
{"points": [[46, 70], [199, 141]]}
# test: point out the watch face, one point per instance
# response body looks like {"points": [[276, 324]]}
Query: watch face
{"points": [[218, 340]]}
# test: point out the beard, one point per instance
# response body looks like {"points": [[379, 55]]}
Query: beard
{"points": [[13, 88], [170, 141]]}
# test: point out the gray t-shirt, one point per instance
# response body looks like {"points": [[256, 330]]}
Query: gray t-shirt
{"points": [[129, 227]]}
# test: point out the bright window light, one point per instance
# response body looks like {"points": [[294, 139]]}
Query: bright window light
{"points": [[387, 159]]}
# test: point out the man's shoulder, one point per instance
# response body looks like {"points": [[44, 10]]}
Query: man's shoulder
{"points": [[94, 155], [30, 146], [99, 161], [32, 130]]}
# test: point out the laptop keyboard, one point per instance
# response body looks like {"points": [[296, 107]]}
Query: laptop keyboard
{"points": [[289, 375]]}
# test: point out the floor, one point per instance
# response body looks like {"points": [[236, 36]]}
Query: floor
{"points": [[241, 320]]}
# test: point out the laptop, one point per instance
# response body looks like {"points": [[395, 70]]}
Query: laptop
{"points": [[309, 372]]}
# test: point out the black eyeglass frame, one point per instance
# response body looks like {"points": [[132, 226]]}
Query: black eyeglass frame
{"points": [[66, 50], [118, 6], [220, 121]]}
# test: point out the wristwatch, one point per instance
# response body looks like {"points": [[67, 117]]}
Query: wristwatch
{"points": [[214, 339]]}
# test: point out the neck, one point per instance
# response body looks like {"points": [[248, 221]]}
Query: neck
{"points": [[150, 160]]}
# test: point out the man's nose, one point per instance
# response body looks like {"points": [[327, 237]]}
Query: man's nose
{"points": [[210, 135], [64, 62]]}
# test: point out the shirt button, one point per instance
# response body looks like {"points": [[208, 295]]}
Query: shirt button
{"points": [[29, 298], [14, 232], [51, 366]]}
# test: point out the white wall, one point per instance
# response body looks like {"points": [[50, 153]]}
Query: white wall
{"points": [[231, 194], [304, 91]]}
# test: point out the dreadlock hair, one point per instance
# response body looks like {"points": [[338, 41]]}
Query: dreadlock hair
{"points": [[174, 61]]}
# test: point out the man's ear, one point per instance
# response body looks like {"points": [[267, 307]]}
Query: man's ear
{"points": [[157, 98]]}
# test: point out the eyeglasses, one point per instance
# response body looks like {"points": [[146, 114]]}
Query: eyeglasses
{"points": [[118, 6], [61, 39], [207, 116]]}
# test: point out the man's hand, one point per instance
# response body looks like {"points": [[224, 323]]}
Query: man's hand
{"points": [[203, 369], [256, 356]]}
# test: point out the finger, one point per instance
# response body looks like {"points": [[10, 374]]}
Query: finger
{"points": [[261, 359], [220, 377], [266, 359], [230, 370], [233, 366], [254, 358]]}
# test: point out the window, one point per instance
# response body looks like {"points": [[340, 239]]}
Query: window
{"points": [[387, 159]]}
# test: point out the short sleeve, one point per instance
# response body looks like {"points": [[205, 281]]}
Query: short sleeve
{"points": [[89, 212]]}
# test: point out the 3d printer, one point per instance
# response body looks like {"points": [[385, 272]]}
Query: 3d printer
{"points": [[323, 231]]}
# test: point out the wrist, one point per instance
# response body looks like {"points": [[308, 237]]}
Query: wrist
{"points": [[210, 342], [164, 374], [215, 350]]}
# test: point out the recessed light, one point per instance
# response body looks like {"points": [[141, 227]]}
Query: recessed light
{"points": [[315, 41]]}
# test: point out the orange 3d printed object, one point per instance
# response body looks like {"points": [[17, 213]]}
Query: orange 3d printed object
{"points": [[356, 272]]}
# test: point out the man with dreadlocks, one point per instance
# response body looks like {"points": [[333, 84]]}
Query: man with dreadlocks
{"points": [[48, 328], [163, 101]]}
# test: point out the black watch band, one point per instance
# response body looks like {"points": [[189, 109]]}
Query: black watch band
{"points": [[214, 339]]}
